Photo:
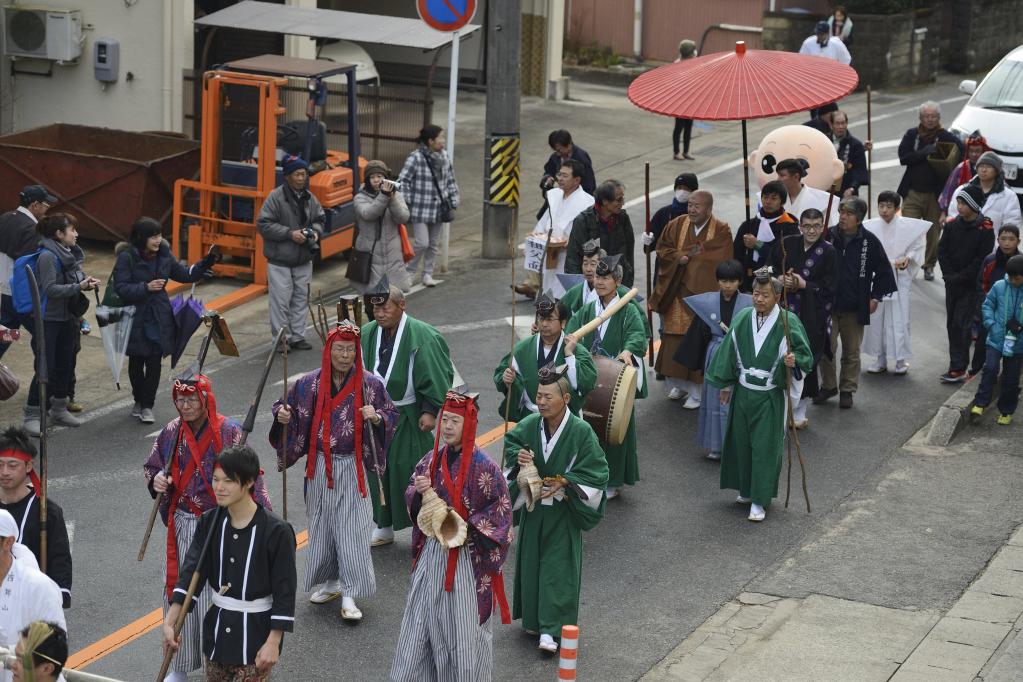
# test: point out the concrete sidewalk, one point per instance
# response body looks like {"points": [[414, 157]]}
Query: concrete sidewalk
{"points": [[798, 623]]}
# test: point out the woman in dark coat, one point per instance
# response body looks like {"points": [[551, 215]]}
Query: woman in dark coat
{"points": [[140, 279]]}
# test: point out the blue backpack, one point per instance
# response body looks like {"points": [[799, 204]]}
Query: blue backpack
{"points": [[21, 290]]}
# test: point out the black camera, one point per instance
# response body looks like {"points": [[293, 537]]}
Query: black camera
{"points": [[1014, 326], [310, 239]]}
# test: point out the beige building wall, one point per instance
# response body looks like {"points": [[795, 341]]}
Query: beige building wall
{"points": [[155, 47]]}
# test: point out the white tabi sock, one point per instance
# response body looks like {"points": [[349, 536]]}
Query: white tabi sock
{"points": [[799, 411]]}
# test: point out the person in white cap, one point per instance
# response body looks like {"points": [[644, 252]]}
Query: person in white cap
{"points": [[28, 594]]}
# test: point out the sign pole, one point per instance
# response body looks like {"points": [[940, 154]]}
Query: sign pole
{"points": [[452, 105]]}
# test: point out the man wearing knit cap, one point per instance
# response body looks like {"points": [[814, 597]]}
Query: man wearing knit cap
{"points": [[343, 433], [19, 495], [1000, 204], [291, 223], [28, 594], [180, 466], [965, 243]]}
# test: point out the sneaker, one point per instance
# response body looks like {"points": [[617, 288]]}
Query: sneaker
{"points": [[429, 281], [676, 393], [824, 395], [743, 500], [136, 411], [953, 377], [901, 367], [845, 400], [301, 344], [72, 406], [1004, 419], [879, 367], [691, 403], [714, 456], [929, 274], [381, 536], [547, 644], [326, 592], [146, 416], [977, 411], [522, 288]]}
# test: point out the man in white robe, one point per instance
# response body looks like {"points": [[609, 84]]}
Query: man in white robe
{"points": [[564, 203], [904, 241], [28, 594]]}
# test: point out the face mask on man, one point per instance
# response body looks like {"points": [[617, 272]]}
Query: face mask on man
{"points": [[682, 195]]}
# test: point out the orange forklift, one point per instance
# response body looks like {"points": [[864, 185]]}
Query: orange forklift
{"points": [[243, 141]]}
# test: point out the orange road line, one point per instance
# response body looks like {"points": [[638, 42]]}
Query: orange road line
{"points": [[152, 620]]}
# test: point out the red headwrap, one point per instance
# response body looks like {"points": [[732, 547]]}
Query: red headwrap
{"points": [[325, 405], [455, 403], [203, 389], [975, 139], [24, 457]]}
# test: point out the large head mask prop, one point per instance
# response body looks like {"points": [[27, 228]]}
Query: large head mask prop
{"points": [[798, 142]]}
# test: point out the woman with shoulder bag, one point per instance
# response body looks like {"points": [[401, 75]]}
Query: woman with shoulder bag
{"points": [[429, 183], [141, 273], [379, 211], [62, 283]]}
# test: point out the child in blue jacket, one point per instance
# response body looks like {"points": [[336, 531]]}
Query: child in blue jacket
{"points": [[1003, 320]]}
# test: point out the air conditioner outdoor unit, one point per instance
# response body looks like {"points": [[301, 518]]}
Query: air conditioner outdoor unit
{"points": [[42, 33]]}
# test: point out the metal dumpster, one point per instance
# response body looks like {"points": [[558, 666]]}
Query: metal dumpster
{"points": [[106, 177]]}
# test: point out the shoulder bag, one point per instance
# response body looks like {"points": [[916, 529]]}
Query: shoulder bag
{"points": [[360, 263], [447, 213]]}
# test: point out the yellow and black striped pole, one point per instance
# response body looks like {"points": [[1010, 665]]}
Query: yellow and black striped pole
{"points": [[504, 170]]}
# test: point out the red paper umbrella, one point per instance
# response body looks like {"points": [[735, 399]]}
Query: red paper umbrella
{"points": [[740, 85]]}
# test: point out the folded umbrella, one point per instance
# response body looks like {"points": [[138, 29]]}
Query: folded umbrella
{"points": [[115, 330], [187, 318]]}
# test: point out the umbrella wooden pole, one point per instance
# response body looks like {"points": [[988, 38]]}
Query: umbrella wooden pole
{"points": [[649, 275], [511, 252], [745, 167], [284, 437], [42, 378], [870, 161]]}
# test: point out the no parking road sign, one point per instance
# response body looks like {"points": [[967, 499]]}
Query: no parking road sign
{"points": [[446, 15]]}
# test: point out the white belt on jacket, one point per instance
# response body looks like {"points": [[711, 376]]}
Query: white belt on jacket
{"points": [[242, 606]]}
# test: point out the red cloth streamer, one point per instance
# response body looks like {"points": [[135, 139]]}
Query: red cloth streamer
{"points": [[24, 457], [203, 388], [325, 405], [965, 174], [456, 403]]}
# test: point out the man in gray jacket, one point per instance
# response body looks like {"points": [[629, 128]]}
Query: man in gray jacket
{"points": [[291, 223]]}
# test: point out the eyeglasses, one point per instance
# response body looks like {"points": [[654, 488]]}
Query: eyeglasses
{"points": [[187, 400], [811, 227]]}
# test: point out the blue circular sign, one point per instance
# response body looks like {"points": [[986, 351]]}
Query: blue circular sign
{"points": [[446, 15]]}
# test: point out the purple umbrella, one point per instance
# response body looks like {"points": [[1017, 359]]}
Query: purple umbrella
{"points": [[187, 318]]}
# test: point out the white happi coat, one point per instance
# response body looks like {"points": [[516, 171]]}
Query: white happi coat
{"points": [[562, 210], [27, 595], [888, 332]]}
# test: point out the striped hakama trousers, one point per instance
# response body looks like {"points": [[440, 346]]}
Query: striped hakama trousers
{"points": [[189, 656], [340, 524], [441, 637]]}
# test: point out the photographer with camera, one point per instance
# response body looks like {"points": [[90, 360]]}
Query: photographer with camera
{"points": [[291, 222], [380, 210]]}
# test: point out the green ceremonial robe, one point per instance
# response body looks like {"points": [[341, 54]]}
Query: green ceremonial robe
{"points": [[419, 372], [624, 331], [526, 379], [549, 558], [573, 300], [751, 458]]}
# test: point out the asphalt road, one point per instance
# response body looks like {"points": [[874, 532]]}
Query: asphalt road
{"points": [[669, 552]]}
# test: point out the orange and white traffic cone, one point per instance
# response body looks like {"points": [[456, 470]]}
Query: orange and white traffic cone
{"points": [[569, 652]]}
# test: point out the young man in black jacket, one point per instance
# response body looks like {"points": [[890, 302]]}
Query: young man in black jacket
{"points": [[965, 243], [18, 237]]}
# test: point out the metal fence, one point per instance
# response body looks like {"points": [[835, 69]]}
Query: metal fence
{"points": [[389, 117]]}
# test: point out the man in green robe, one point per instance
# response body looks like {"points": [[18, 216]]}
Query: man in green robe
{"points": [[516, 376], [621, 337], [752, 367], [582, 293], [548, 561], [413, 360]]}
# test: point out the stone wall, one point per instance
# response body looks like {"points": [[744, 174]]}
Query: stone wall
{"points": [[982, 32], [887, 50]]}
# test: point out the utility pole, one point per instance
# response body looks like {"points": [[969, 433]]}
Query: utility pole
{"points": [[501, 163]]}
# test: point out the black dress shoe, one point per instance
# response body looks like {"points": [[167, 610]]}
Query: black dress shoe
{"points": [[824, 395], [301, 344], [845, 400], [929, 274]]}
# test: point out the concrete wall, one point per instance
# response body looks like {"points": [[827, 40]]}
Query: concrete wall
{"points": [[983, 31], [155, 47]]}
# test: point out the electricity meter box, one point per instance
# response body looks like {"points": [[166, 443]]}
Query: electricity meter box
{"points": [[106, 59]]}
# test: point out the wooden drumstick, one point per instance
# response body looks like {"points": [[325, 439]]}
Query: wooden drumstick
{"points": [[592, 325]]}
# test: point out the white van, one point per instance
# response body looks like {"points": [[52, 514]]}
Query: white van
{"points": [[996, 110]]}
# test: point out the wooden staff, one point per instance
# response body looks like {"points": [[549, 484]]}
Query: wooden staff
{"points": [[791, 419], [193, 587], [312, 313], [284, 469], [168, 467], [42, 378], [592, 325], [649, 275], [543, 262], [870, 161]]}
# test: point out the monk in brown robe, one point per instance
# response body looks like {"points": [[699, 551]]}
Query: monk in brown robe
{"points": [[688, 253]]}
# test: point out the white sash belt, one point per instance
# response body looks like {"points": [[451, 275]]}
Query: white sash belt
{"points": [[252, 606]]}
